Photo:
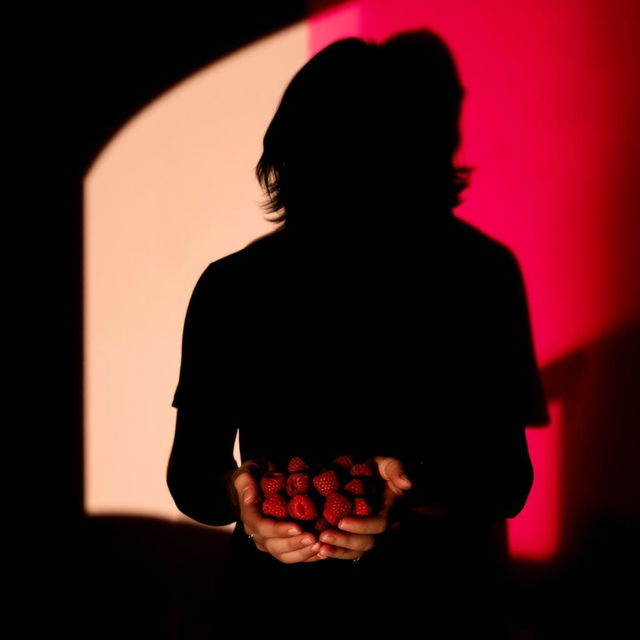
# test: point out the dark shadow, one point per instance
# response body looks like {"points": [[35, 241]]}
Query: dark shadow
{"points": [[599, 495], [144, 577]]}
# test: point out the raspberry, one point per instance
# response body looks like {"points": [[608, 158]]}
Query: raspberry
{"points": [[326, 483], [297, 464], [361, 508], [275, 506], [298, 483], [272, 483], [321, 524], [346, 462], [361, 470], [336, 507], [356, 486], [301, 507]]}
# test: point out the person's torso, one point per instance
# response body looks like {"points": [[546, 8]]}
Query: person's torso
{"points": [[362, 351]]}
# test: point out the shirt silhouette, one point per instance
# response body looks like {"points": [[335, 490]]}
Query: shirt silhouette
{"points": [[367, 337]]}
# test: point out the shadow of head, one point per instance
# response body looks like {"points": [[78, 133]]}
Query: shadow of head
{"points": [[365, 136]]}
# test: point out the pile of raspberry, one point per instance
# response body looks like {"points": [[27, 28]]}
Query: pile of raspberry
{"points": [[319, 496]]}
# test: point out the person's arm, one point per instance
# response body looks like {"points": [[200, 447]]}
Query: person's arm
{"points": [[201, 462], [200, 469], [487, 476], [478, 465]]}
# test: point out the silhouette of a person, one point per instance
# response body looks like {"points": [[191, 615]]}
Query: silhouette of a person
{"points": [[374, 322]]}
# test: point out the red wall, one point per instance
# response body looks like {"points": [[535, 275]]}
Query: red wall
{"points": [[550, 122]]}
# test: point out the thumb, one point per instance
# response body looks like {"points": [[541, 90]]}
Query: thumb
{"points": [[391, 469], [246, 487]]}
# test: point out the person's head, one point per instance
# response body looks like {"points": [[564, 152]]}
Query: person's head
{"points": [[366, 130]]}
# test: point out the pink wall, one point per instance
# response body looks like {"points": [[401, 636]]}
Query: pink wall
{"points": [[550, 123]]}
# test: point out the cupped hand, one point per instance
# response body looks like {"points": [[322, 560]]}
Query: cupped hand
{"points": [[357, 534], [284, 540]]}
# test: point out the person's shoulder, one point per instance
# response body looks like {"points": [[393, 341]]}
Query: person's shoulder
{"points": [[482, 249], [267, 245], [479, 241], [248, 260]]}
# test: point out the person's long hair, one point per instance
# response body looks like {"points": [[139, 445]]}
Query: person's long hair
{"points": [[365, 127]]}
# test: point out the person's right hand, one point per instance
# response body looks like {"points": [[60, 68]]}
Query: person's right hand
{"points": [[285, 541]]}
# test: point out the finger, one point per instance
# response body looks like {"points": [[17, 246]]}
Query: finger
{"points": [[370, 525], [256, 523], [277, 546], [391, 469], [340, 553], [246, 487], [355, 542], [306, 554], [247, 476]]}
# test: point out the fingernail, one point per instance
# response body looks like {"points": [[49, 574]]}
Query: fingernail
{"points": [[321, 556], [404, 478], [341, 525], [307, 541], [326, 537], [246, 495], [293, 531], [315, 547]]}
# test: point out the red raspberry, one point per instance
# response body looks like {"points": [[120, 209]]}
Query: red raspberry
{"points": [[272, 482], [356, 486], [275, 506], [361, 470], [298, 483], [321, 524], [301, 507], [336, 507], [326, 483], [361, 508], [297, 464], [346, 462]]}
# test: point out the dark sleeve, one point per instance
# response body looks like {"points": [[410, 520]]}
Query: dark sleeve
{"points": [[523, 393], [201, 458], [476, 463], [207, 366]]}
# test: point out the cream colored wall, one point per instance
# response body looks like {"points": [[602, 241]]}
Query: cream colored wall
{"points": [[173, 191]]}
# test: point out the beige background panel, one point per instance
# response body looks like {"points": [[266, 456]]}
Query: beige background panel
{"points": [[173, 191]]}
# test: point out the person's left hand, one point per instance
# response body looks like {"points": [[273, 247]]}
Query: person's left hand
{"points": [[357, 534]]}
